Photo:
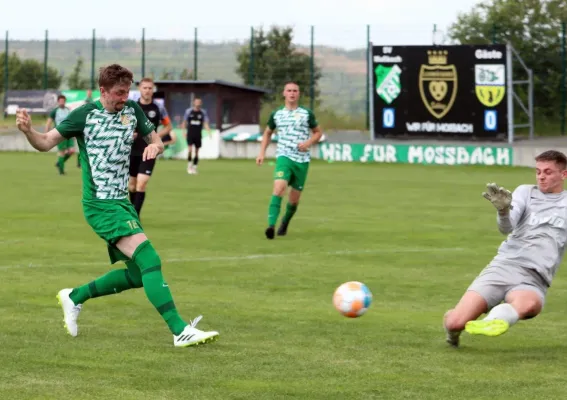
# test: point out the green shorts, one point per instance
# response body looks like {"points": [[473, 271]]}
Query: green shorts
{"points": [[66, 144], [293, 172], [112, 220]]}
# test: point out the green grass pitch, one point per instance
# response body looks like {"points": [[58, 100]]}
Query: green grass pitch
{"points": [[416, 235]]}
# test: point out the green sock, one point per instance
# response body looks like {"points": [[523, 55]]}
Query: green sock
{"points": [[289, 212], [113, 282], [155, 287], [274, 210], [60, 162], [66, 157]]}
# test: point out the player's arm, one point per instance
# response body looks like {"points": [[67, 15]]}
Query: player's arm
{"points": [[40, 141], [510, 206], [316, 131], [166, 122], [206, 121], [146, 130], [173, 140], [50, 120], [266, 139], [184, 123]]}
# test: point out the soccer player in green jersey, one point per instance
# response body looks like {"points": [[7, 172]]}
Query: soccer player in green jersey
{"points": [[66, 147], [293, 123], [105, 132]]}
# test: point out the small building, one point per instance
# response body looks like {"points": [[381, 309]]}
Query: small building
{"points": [[227, 104]]}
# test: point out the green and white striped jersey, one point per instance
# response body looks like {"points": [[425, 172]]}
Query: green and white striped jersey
{"points": [[293, 128], [58, 114], [105, 142]]}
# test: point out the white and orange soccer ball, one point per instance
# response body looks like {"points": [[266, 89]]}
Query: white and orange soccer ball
{"points": [[352, 299]]}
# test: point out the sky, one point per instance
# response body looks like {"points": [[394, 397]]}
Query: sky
{"points": [[337, 22]]}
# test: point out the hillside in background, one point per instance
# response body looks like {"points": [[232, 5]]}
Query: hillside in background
{"points": [[343, 84]]}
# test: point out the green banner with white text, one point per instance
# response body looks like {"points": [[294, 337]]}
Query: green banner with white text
{"points": [[417, 154]]}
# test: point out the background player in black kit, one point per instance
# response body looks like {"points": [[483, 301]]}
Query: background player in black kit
{"points": [[193, 121], [140, 171]]}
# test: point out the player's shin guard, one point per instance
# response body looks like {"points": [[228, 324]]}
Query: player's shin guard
{"points": [[157, 291], [274, 210], [115, 281]]}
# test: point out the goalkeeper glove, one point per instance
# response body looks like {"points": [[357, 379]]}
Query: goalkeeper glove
{"points": [[500, 197]]}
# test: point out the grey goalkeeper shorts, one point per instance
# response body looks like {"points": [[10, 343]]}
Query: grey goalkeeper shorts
{"points": [[496, 281]]}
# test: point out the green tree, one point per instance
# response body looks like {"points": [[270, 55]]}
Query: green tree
{"points": [[275, 60], [74, 80], [27, 74], [533, 27]]}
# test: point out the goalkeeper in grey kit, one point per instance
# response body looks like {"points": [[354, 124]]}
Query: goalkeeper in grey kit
{"points": [[513, 286]]}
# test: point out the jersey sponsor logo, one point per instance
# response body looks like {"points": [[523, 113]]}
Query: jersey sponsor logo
{"points": [[553, 220], [152, 114]]}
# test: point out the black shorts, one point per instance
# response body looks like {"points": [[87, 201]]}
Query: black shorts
{"points": [[194, 139], [137, 166], [166, 138]]}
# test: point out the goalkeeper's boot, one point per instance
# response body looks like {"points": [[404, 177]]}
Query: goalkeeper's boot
{"points": [[283, 229], [270, 231], [70, 311], [452, 337], [192, 336], [495, 327]]}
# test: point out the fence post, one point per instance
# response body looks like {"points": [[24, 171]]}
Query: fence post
{"points": [[143, 53], [563, 77], [368, 72], [45, 58], [6, 62], [312, 71], [251, 58], [93, 55], [195, 55]]}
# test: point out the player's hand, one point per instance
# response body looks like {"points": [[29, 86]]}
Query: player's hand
{"points": [[260, 159], [303, 146], [500, 197], [150, 152], [23, 120]]}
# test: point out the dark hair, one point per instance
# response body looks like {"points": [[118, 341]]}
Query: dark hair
{"points": [[114, 75], [553, 155], [61, 96]]}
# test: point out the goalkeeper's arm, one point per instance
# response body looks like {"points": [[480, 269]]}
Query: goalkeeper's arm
{"points": [[508, 218]]}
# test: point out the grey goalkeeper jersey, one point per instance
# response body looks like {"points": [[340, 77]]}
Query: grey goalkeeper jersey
{"points": [[537, 231]]}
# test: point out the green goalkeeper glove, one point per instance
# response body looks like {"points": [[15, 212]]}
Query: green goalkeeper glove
{"points": [[500, 197]]}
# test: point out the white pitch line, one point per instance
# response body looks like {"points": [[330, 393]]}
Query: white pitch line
{"points": [[257, 256]]}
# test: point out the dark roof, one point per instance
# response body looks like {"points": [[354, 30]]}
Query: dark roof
{"points": [[212, 82]]}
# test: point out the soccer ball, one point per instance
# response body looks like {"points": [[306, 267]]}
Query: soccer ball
{"points": [[352, 299]]}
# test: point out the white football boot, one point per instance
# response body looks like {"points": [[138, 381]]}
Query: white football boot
{"points": [[70, 311], [192, 336]]}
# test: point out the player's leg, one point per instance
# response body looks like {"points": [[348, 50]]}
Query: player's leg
{"points": [[524, 300], [134, 167], [144, 174], [297, 184], [485, 292], [470, 307], [69, 151], [189, 155], [282, 175], [61, 148], [198, 144], [138, 248]]}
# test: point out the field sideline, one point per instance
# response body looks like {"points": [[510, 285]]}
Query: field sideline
{"points": [[415, 235]]}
